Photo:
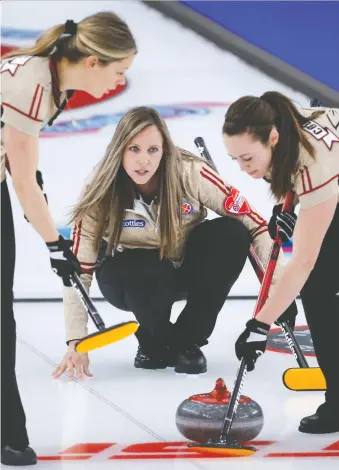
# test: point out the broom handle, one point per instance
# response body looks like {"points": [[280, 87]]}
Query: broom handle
{"points": [[87, 302]]}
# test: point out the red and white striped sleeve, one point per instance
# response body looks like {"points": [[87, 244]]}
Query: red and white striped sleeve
{"points": [[25, 100], [317, 182], [83, 237], [76, 317], [226, 200]]}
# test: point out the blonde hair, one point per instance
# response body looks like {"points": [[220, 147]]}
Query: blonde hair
{"points": [[111, 191], [103, 35]]}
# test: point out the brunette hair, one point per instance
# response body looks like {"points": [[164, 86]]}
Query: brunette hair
{"points": [[257, 116]]}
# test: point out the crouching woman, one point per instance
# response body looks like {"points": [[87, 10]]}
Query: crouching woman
{"points": [[141, 227]]}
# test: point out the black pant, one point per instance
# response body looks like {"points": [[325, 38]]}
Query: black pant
{"points": [[321, 304], [138, 281], [13, 420]]}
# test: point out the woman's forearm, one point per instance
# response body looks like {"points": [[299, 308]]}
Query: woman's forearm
{"points": [[286, 289], [35, 208]]}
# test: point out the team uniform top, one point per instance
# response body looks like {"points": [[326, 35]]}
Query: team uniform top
{"points": [[317, 179], [27, 96], [203, 189]]}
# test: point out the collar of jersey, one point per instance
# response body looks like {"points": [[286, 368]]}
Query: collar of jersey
{"points": [[56, 91], [55, 82], [142, 208]]}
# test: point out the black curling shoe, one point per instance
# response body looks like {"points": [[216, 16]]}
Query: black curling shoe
{"points": [[322, 422], [191, 361], [145, 360], [18, 458]]}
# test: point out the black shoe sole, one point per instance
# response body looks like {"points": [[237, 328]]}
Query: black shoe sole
{"points": [[11, 461], [190, 369], [20, 464], [310, 430], [149, 366]]}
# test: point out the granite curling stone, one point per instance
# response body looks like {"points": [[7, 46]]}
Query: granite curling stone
{"points": [[201, 417]]}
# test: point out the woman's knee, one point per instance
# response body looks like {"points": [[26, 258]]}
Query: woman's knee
{"points": [[236, 231], [223, 234]]}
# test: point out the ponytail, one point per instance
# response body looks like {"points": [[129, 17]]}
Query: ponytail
{"points": [[103, 35], [285, 155], [258, 116], [43, 45]]}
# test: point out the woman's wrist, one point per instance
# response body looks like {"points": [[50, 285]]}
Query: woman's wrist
{"points": [[262, 317], [72, 343]]}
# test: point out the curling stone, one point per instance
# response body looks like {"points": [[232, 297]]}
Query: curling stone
{"points": [[201, 417]]}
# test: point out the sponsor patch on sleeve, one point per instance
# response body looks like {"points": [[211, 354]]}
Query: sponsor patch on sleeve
{"points": [[236, 203]]}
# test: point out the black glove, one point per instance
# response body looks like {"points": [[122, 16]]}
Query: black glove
{"points": [[288, 316], [252, 342], [63, 260], [40, 182], [284, 221]]}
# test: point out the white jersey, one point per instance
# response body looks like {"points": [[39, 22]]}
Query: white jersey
{"points": [[26, 97], [317, 178]]}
